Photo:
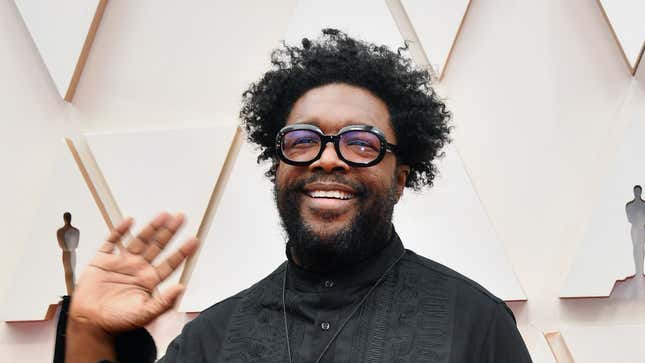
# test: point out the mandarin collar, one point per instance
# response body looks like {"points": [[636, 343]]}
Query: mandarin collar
{"points": [[364, 273]]}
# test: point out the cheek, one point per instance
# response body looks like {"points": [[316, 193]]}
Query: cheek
{"points": [[286, 175], [377, 184], [384, 176], [281, 173]]}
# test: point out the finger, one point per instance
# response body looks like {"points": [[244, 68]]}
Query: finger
{"points": [[160, 303], [163, 236], [115, 235], [173, 261], [139, 243]]}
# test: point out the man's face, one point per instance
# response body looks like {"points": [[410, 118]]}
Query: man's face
{"points": [[328, 202]]}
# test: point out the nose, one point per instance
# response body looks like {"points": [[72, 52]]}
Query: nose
{"points": [[329, 160]]}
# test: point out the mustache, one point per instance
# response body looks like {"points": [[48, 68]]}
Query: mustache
{"points": [[359, 189]]}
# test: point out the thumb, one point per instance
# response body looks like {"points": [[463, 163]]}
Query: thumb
{"points": [[160, 303]]}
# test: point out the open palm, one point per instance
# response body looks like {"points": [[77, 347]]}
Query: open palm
{"points": [[116, 291]]}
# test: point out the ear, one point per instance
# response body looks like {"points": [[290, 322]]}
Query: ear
{"points": [[402, 172]]}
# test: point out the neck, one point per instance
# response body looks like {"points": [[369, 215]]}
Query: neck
{"points": [[337, 255]]}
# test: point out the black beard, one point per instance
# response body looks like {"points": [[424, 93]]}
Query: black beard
{"points": [[366, 234]]}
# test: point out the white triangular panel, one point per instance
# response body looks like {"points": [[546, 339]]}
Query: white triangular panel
{"points": [[448, 224], [40, 280], [363, 19], [437, 24], [163, 170], [605, 254], [626, 19], [59, 29], [245, 241], [618, 343]]}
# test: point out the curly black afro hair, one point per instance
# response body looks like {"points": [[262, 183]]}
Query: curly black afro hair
{"points": [[419, 118]]}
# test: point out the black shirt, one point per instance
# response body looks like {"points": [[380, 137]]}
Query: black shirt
{"points": [[420, 312]]}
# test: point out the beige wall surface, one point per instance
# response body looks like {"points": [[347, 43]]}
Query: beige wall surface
{"points": [[541, 97]]}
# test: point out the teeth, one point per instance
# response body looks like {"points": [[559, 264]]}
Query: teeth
{"points": [[330, 194]]}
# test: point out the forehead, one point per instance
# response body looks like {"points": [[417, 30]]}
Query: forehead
{"points": [[333, 106]]}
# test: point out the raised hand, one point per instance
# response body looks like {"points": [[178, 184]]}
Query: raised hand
{"points": [[117, 291]]}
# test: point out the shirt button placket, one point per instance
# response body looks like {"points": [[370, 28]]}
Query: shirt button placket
{"points": [[325, 325]]}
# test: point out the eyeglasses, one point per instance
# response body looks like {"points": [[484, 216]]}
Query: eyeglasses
{"points": [[356, 145]]}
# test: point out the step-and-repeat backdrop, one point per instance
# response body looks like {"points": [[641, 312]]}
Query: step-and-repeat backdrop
{"points": [[115, 108]]}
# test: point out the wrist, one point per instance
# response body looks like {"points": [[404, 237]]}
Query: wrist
{"points": [[82, 325], [87, 342]]}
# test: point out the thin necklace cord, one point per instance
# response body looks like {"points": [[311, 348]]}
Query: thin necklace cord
{"points": [[284, 309], [349, 317]]}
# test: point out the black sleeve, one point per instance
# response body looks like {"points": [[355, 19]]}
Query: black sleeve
{"points": [[503, 343], [61, 331], [136, 346]]}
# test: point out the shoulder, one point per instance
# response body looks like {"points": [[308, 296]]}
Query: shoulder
{"points": [[465, 288], [207, 331], [224, 309], [472, 307], [203, 335]]}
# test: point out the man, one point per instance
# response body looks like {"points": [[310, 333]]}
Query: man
{"points": [[347, 126]]}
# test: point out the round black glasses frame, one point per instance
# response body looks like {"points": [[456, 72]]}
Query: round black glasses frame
{"points": [[335, 139]]}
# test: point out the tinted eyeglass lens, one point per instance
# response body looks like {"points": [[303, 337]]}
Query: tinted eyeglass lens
{"points": [[300, 145], [360, 146]]}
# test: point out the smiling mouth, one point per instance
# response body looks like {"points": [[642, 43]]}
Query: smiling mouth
{"points": [[330, 194]]}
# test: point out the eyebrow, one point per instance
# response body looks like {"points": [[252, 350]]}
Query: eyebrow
{"points": [[316, 123], [308, 122]]}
